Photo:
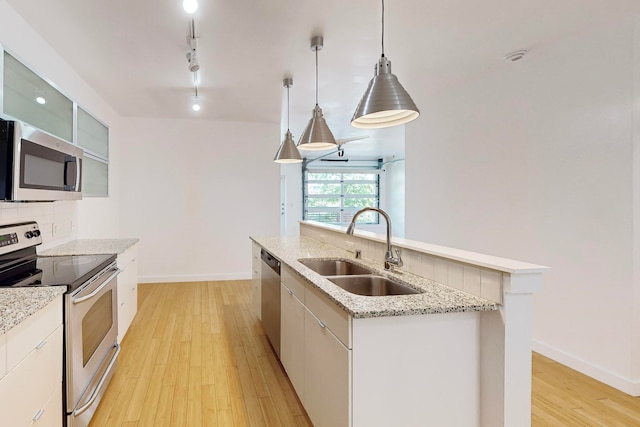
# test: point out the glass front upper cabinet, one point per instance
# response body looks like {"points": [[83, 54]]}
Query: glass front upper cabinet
{"points": [[93, 137], [29, 98]]}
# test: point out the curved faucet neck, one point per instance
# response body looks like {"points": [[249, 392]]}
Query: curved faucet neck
{"points": [[387, 219]]}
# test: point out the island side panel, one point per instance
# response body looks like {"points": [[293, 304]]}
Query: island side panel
{"points": [[416, 370], [506, 354]]}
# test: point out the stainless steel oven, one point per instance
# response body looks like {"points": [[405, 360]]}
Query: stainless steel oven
{"points": [[90, 313], [91, 343]]}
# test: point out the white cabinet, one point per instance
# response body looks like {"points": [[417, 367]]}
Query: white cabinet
{"points": [[127, 289], [312, 352], [93, 137], [326, 375], [256, 277], [49, 415], [3, 355], [292, 313], [31, 390], [22, 89]]}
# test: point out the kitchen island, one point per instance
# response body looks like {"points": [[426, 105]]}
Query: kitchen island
{"points": [[443, 357]]}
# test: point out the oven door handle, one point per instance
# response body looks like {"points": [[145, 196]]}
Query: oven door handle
{"points": [[96, 390], [98, 289]]}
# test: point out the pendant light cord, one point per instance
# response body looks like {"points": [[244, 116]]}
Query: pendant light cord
{"points": [[383, 28], [288, 108], [316, 49]]}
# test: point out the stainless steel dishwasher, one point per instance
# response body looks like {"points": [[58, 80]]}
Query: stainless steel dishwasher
{"points": [[271, 298]]}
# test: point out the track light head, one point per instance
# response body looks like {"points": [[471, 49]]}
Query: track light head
{"points": [[192, 58]]}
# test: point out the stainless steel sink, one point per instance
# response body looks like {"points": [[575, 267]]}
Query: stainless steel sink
{"points": [[334, 267], [372, 286]]}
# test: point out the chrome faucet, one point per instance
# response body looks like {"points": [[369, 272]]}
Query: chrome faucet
{"points": [[390, 261]]}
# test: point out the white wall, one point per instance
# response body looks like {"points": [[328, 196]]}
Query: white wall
{"points": [[194, 191], [293, 197], [89, 217], [394, 193], [534, 161]]}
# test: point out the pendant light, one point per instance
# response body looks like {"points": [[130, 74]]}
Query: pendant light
{"points": [[385, 103], [287, 153], [317, 135]]}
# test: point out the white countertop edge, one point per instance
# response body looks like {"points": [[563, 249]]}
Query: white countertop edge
{"points": [[489, 261]]}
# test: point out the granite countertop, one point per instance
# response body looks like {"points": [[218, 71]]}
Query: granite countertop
{"points": [[16, 304], [437, 298], [91, 247]]}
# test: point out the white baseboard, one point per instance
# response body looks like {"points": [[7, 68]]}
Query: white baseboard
{"points": [[614, 380], [194, 278]]}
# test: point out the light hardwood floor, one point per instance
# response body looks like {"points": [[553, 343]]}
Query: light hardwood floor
{"points": [[196, 356]]}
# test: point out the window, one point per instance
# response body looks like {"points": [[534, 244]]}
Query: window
{"points": [[334, 196]]}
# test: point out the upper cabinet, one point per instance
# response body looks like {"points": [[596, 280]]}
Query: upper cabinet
{"points": [[29, 98], [93, 137]]}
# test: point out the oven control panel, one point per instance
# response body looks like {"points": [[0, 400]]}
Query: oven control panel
{"points": [[14, 237], [8, 239]]}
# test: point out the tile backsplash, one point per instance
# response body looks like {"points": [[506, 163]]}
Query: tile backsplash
{"points": [[479, 281], [57, 220]]}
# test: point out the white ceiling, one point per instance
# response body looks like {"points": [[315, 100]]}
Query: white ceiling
{"points": [[133, 51]]}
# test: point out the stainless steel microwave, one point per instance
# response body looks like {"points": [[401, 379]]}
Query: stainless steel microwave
{"points": [[35, 166]]}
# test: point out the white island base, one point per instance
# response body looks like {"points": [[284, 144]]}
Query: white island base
{"points": [[426, 365], [355, 362]]}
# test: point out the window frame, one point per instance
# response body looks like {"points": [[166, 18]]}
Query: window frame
{"points": [[344, 213]]}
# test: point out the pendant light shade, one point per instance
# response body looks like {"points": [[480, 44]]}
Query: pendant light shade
{"points": [[317, 135], [288, 152], [385, 103]]}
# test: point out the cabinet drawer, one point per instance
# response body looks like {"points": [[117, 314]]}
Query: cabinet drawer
{"points": [[255, 251], [292, 281], [27, 335], [26, 389], [327, 384], [127, 257], [337, 320], [51, 414]]}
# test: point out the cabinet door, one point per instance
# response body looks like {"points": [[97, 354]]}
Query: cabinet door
{"points": [[26, 388], [292, 339], [30, 98], [327, 376], [127, 290]]}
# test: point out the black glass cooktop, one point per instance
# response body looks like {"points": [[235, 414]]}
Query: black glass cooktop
{"points": [[71, 271]]}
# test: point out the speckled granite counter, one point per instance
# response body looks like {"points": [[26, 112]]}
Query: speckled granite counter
{"points": [[91, 247], [436, 298], [16, 304]]}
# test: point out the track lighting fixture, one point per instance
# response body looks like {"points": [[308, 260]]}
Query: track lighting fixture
{"points": [[192, 58], [288, 152], [317, 135], [385, 103], [195, 106], [194, 64], [190, 6]]}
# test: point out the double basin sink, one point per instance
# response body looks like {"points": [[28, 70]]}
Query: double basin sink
{"points": [[356, 279]]}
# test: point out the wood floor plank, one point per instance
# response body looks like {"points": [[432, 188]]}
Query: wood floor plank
{"points": [[195, 355]]}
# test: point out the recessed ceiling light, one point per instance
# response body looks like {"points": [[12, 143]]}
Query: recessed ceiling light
{"points": [[515, 56], [40, 100]]}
